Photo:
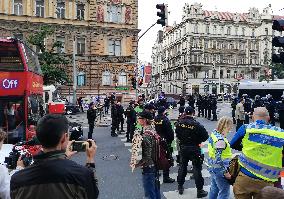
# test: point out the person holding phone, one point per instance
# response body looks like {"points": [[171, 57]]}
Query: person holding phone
{"points": [[53, 174], [220, 155]]}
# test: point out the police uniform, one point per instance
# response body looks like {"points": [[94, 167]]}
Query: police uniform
{"points": [[233, 105], [131, 120], [261, 157], [164, 129], [271, 105], [281, 112], [191, 134], [247, 108], [114, 119], [214, 108]]}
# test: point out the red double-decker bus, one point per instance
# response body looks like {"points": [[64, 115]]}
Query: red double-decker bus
{"points": [[21, 90]]}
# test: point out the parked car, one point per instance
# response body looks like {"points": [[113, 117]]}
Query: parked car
{"points": [[71, 108]]}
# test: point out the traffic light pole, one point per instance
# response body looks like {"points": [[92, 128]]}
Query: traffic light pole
{"points": [[136, 58]]}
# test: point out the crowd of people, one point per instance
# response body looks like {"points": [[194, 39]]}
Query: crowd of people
{"points": [[258, 166]]}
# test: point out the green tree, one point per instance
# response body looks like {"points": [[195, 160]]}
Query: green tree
{"points": [[277, 69], [53, 64]]}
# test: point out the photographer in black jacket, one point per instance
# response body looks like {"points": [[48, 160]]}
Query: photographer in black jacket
{"points": [[191, 134], [164, 129], [53, 175]]}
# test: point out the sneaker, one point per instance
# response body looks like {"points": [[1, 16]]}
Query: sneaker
{"points": [[201, 193], [180, 189], [168, 180]]}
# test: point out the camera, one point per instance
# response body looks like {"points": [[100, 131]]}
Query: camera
{"points": [[80, 146], [15, 154]]}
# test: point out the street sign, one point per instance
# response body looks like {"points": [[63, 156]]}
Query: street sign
{"points": [[121, 88]]}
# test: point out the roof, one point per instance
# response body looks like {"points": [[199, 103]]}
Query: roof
{"points": [[227, 16]]}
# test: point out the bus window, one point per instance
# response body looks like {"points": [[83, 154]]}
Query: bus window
{"points": [[10, 59], [31, 59]]}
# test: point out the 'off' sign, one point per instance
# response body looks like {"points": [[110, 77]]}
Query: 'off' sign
{"points": [[10, 84]]}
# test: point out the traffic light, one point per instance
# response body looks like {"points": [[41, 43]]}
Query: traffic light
{"points": [[163, 14], [133, 82], [278, 42]]}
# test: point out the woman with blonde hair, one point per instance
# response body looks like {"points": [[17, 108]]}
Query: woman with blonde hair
{"points": [[220, 155]]}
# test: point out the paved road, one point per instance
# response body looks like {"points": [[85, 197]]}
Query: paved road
{"points": [[116, 181]]}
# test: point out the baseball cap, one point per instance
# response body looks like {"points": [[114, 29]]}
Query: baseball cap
{"points": [[161, 109], [145, 115], [189, 110]]}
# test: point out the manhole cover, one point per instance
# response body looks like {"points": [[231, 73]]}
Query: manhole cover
{"points": [[110, 157]]}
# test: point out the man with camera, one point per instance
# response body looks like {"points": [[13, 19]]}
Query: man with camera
{"points": [[4, 174], [53, 175]]}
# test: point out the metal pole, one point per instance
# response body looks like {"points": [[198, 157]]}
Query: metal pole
{"points": [[219, 79], [74, 71], [136, 58]]}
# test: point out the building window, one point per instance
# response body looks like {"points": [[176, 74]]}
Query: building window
{"points": [[235, 74], [214, 74], [114, 47], [60, 10], [195, 28], [222, 30], [195, 74], [221, 74], [80, 11], [266, 31], [106, 78], [236, 30], [122, 79], [243, 31], [18, 7], [81, 44], [206, 74], [62, 42], [214, 30], [114, 13], [228, 74], [253, 33], [207, 29], [81, 79], [229, 31], [39, 8]]}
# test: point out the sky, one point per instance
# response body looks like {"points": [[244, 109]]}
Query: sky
{"points": [[147, 15]]}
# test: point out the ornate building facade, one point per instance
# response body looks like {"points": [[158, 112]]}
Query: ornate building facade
{"points": [[211, 51], [104, 33]]}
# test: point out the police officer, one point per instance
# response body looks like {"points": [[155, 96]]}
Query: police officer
{"points": [[209, 107], [233, 105], [281, 112], [91, 116], [120, 116], [199, 104], [131, 120], [191, 134], [247, 108], [206, 101], [271, 106], [257, 102], [164, 129], [214, 108], [181, 101], [114, 118], [151, 108]]}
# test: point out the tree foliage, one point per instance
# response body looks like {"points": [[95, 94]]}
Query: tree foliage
{"points": [[277, 70], [53, 64]]}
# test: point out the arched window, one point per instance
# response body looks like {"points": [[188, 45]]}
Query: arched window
{"points": [[81, 79], [122, 79], [106, 78]]}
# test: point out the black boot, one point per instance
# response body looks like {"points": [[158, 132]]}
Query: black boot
{"points": [[114, 135], [201, 193], [180, 189], [168, 180]]}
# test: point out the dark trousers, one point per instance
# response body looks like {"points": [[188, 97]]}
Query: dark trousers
{"points": [[81, 107], [106, 109], [91, 130], [202, 112], [206, 113], [121, 121], [272, 120], [130, 131], [214, 113], [190, 153], [239, 124], [209, 114], [233, 116], [114, 125], [246, 119]]}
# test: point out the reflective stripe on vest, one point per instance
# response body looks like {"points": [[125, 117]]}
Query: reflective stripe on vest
{"points": [[226, 153], [262, 151]]}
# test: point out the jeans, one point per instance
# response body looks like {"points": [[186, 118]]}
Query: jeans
{"points": [[220, 188], [151, 183]]}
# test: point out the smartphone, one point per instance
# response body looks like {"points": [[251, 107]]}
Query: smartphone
{"points": [[80, 146]]}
